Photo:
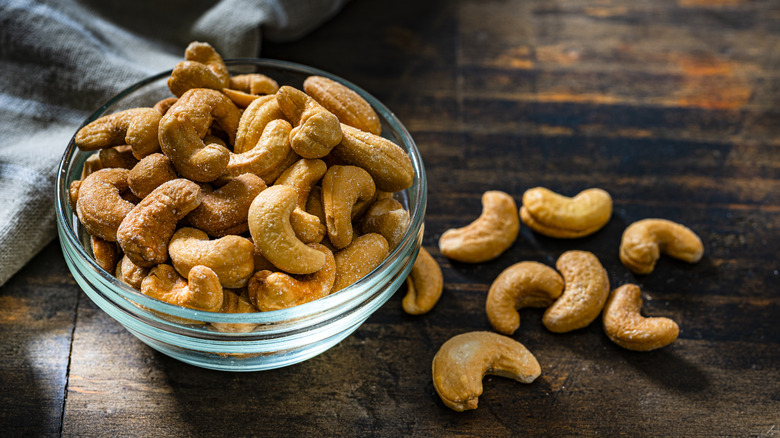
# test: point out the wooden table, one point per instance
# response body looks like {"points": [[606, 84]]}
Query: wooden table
{"points": [[672, 107]]}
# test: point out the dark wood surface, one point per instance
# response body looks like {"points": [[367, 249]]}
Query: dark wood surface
{"points": [[672, 107]]}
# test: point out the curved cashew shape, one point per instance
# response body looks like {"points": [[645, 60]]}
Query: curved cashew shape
{"points": [[118, 157], [230, 257], [307, 227], [269, 224], [151, 172], [342, 188], [130, 273], [645, 240], [165, 104], [463, 361], [201, 290], [253, 121], [99, 206], [136, 127], [224, 211], [302, 176], [424, 285], [524, 284], [389, 165], [586, 290], [277, 290], [348, 106], [388, 218], [184, 126], [203, 68], [145, 232], [234, 303], [487, 237], [314, 203], [558, 216], [359, 258], [271, 150], [316, 130], [106, 253], [625, 326]]}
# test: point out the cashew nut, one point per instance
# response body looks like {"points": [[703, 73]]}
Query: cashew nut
{"points": [[106, 253], [424, 285], [130, 273], [277, 290], [463, 361], [625, 326], [271, 150], [99, 206], [253, 121], [388, 218], [554, 215], [302, 176], [386, 162], [230, 257], [586, 290], [118, 156], [201, 290], [165, 104], [342, 188], [316, 129], [136, 127], [359, 258], [524, 284], [314, 203], [224, 211], [645, 240], [348, 106], [273, 236], [234, 303], [488, 236], [151, 172], [307, 227], [203, 68], [145, 232]]}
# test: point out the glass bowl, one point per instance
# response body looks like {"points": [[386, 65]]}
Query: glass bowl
{"points": [[281, 337]]}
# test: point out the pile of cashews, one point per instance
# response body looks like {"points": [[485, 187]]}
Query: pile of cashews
{"points": [[239, 195], [574, 294]]}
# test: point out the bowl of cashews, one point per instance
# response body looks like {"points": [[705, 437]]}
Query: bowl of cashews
{"points": [[241, 214]]}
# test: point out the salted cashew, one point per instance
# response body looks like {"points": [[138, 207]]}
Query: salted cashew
{"points": [[488, 236], [200, 291], [273, 236], [230, 257], [388, 218], [524, 284], [163, 105], [278, 290], [203, 68], [224, 211], [149, 173], [145, 232], [271, 150], [129, 273], [235, 303], [314, 203], [99, 206], [424, 285], [342, 188], [463, 361], [118, 156], [91, 165], [625, 326], [388, 163], [558, 216], [307, 227], [253, 121], [184, 126], [586, 289], [244, 89], [136, 127], [106, 253], [362, 256], [645, 240], [302, 176], [347, 105], [316, 130]]}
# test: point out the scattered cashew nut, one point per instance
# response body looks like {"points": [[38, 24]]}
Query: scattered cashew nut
{"points": [[230, 257], [644, 241], [586, 289], [424, 285], [625, 326], [558, 216]]}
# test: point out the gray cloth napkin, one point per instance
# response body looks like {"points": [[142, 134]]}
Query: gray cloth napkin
{"points": [[60, 60]]}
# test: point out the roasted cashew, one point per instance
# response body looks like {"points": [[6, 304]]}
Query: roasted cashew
{"points": [[645, 240], [488, 236], [307, 227], [99, 206], [463, 361], [271, 150], [348, 106], [245, 89], [185, 125], [524, 284], [136, 127], [106, 253], [203, 68], [273, 236], [625, 326], [302, 176], [314, 203], [359, 258], [554, 215], [165, 104], [201, 290], [151, 172], [277, 290], [130, 273], [230, 257], [388, 218], [234, 303], [145, 232], [253, 121], [342, 188], [424, 285], [316, 129], [386, 162], [118, 157], [585, 292], [224, 211]]}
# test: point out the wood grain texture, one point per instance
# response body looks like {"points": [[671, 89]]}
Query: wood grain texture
{"points": [[671, 106]]}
